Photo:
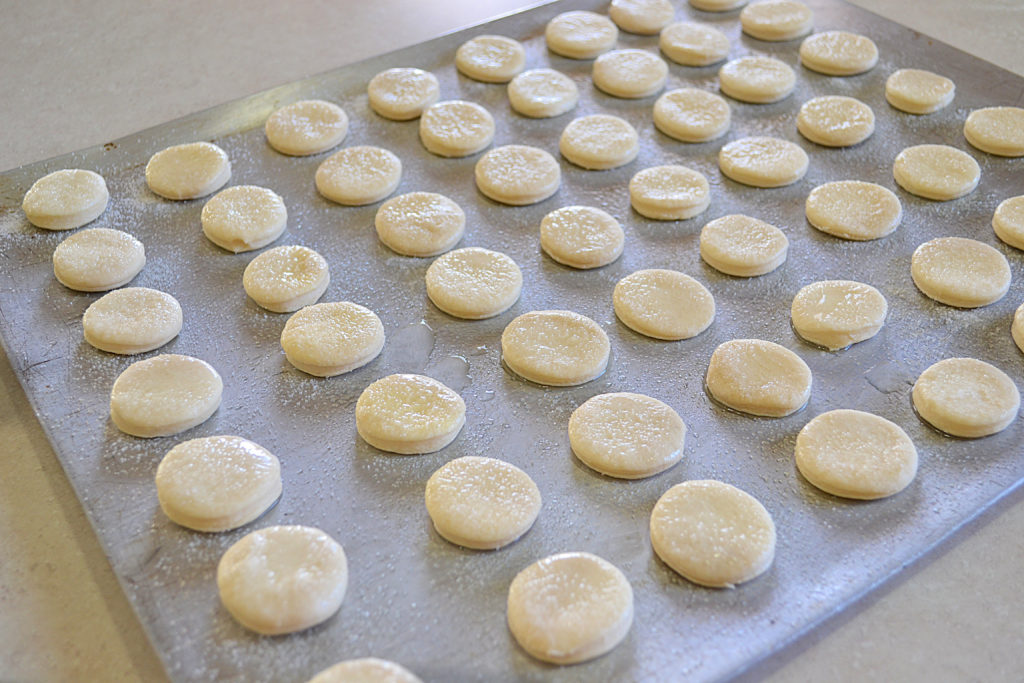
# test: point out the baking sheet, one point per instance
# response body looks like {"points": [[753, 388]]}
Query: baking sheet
{"points": [[413, 597]]}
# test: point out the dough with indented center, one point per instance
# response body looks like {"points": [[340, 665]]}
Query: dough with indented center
{"points": [[758, 377], [517, 175], [283, 579], [838, 313], [692, 115], [663, 304], [630, 74], [217, 483], [456, 128], [409, 414], [758, 80], [717, 5], [306, 127], [917, 91], [481, 503], [936, 172], [1017, 327], [132, 320], [420, 223], [838, 53], [359, 175], [581, 236], [491, 59], [332, 338], [835, 121], [854, 210], [542, 93], [284, 279], [569, 608], [580, 34], [966, 397], [776, 20], [960, 272], [1008, 221], [996, 130], [692, 44], [188, 171], [599, 142], [625, 435], [66, 199], [669, 193], [474, 283], [645, 17], [403, 93], [366, 670], [742, 246], [98, 259], [164, 395], [557, 348], [763, 161], [244, 218]]}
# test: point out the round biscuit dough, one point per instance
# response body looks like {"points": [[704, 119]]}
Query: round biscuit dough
{"points": [[474, 283], [542, 93], [409, 414], [188, 171], [164, 395], [960, 272], [66, 199], [763, 161], [580, 34], [1008, 221], [420, 223], [645, 17], [917, 91], [132, 320], [669, 193], [758, 377], [630, 74], [776, 20], [581, 236], [244, 218], [306, 127], [663, 304], [838, 313], [359, 175], [936, 172], [98, 259], [491, 59], [757, 80], [569, 608], [692, 44], [835, 121], [838, 53], [481, 503], [366, 670], [692, 115], [517, 175], [283, 579], [742, 246], [966, 397], [599, 142], [284, 279], [853, 210], [1017, 327], [717, 5], [996, 130], [556, 348], [456, 128], [401, 94], [332, 338]]}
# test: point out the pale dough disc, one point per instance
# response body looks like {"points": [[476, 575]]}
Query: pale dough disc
{"points": [[717, 5], [854, 210], [663, 304], [217, 483], [1017, 328], [835, 121], [917, 91], [1008, 221], [580, 35], [692, 115], [712, 533], [936, 172], [742, 246], [758, 80], [581, 236], [776, 20], [409, 414], [403, 93], [517, 175], [366, 670], [556, 348], [98, 259], [244, 218], [306, 127], [420, 223], [132, 320], [481, 503], [966, 397], [164, 395], [284, 279], [853, 454], [283, 579], [628, 436], [569, 608], [359, 175], [692, 44], [474, 283], [66, 199], [542, 93], [997, 130], [645, 17], [960, 272], [188, 171], [763, 161], [630, 74], [332, 338], [758, 377], [456, 128], [838, 313], [599, 142], [669, 193], [491, 59], [838, 53]]}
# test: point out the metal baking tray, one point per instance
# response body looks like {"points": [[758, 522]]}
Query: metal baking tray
{"points": [[414, 598]]}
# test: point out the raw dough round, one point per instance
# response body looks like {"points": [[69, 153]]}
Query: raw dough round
{"points": [[669, 193], [763, 161], [838, 313], [366, 670], [474, 283], [481, 503], [283, 579], [569, 608], [997, 130], [628, 436], [917, 91], [1017, 328], [717, 5], [742, 246], [838, 53], [542, 93], [758, 80], [491, 59], [284, 279], [645, 17], [517, 175], [409, 414], [936, 172], [960, 272], [420, 223], [456, 128], [164, 395], [403, 93], [630, 74], [854, 210], [853, 454], [359, 175], [580, 35], [966, 397], [66, 199], [599, 142], [244, 218], [132, 320], [581, 236], [188, 171], [692, 115], [98, 259], [693, 44], [663, 304], [712, 534], [776, 20], [835, 121], [217, 483], [332, 338], [1008, 221], [556, 348], [758, 377], [306, 127]]}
